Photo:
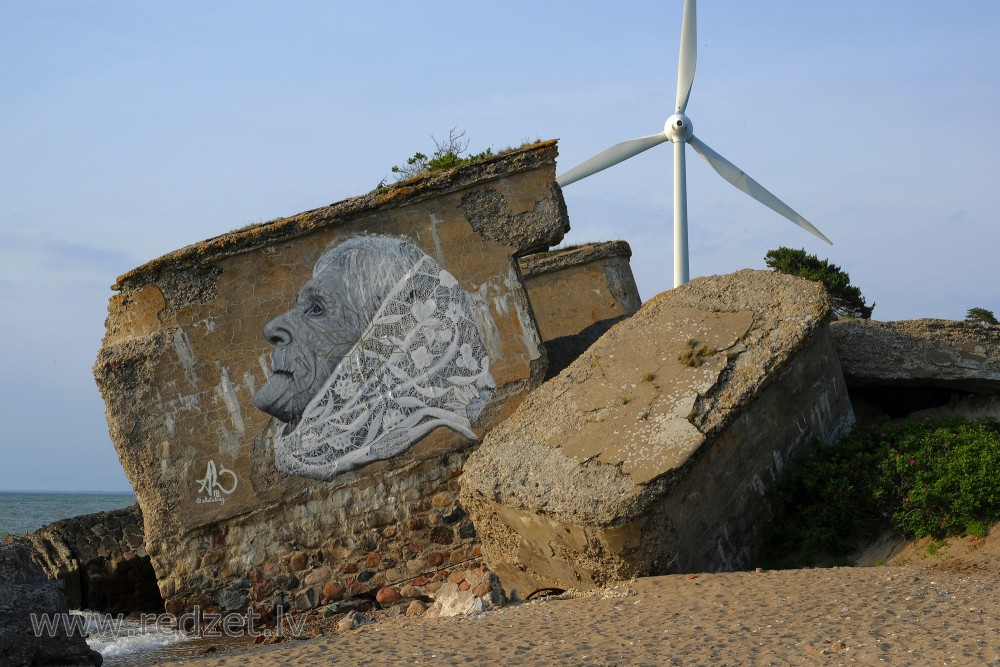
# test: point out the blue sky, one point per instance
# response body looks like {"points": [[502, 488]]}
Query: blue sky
{"points": [[129, 129]]}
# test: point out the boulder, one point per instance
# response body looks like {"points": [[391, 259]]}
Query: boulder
{"points": [[924, 367], [28, 599], [304, 392], [652, 452], [577, 294], [471, 592]]}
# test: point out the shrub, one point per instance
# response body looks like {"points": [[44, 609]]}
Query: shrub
{"points": [[845, 298], [933, 477], [447, 155], [981, 316], [942, 476]]}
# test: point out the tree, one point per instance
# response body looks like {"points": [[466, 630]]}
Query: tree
{"points": [[981, 316], [845, 298]]}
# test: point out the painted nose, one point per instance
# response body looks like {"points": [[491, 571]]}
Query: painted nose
{"points": [[277, 331]]}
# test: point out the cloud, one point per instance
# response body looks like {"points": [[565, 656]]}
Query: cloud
{"points": [[33, 263], [57, 250]]}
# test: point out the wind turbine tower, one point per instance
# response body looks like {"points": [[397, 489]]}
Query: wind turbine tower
{"points": [[679, 130]]}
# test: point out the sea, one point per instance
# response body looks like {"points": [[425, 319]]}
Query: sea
{"points": [[122, 642], [25, 511]]}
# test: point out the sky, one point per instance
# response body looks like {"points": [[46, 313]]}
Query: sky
{"points": [[129, 129]]}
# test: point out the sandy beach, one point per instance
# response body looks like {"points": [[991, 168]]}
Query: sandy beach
{"points": [[920, 609]]}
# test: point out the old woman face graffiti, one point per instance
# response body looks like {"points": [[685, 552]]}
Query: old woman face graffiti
{"points": [[309, 341], [380, 349]]}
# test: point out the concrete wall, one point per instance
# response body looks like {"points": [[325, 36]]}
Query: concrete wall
{"points": [[102, 561], [920, 368], [573, 288], [715, 512], [577, 294], [405, 322]]}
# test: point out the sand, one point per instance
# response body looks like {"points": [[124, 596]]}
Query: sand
{"points": [[920, 609]]}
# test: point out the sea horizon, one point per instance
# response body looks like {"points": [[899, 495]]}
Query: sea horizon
{"points": [[62, 491], [25, 511]]}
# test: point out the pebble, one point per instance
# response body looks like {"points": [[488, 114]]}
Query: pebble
{"points": [[395, 610], [416, 565], [352, 620], [317, 576], [474, 578], [387, 596], [410, 591], [441, 499], [298, 561]]}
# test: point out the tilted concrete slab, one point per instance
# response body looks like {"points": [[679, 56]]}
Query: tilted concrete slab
{"points": [[653, 451]]}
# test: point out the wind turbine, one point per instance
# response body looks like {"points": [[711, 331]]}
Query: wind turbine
{"points": [[679, 130]]}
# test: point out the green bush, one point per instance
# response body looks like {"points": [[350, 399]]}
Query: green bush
{"points": [[981, 316], [447, 155], [846, 299], [933, 477], [943, 477]]}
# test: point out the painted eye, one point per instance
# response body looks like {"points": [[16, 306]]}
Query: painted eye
{"points": [[314, 309]]}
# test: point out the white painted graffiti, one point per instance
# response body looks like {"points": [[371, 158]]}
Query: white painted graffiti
{"points": [[213, 484], [380, 349]]}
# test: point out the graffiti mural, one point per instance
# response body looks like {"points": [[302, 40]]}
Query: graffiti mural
{"points": [[379, 349], [218, 483]]}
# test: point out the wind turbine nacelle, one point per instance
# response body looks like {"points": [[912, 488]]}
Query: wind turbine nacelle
{"points": [[678, 128]]}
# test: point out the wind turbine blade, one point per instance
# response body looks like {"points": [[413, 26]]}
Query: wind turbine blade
{"points": [[738, 177], [610, 157], [689, 55]]}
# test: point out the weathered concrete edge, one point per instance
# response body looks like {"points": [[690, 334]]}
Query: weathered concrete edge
{"points": [[393, 196], [712, 541], [894, 339], [725, 397], [561, 258]]}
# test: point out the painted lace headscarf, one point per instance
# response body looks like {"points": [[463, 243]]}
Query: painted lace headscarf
{"points": [[418, 365]]}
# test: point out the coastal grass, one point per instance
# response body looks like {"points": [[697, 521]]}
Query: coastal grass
{"points": [[693, 352], [936, 477], [448, 154]]}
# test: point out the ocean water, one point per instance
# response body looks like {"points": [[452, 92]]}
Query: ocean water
{"points": [[122, 642], [25, 511], [126, 642]]}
